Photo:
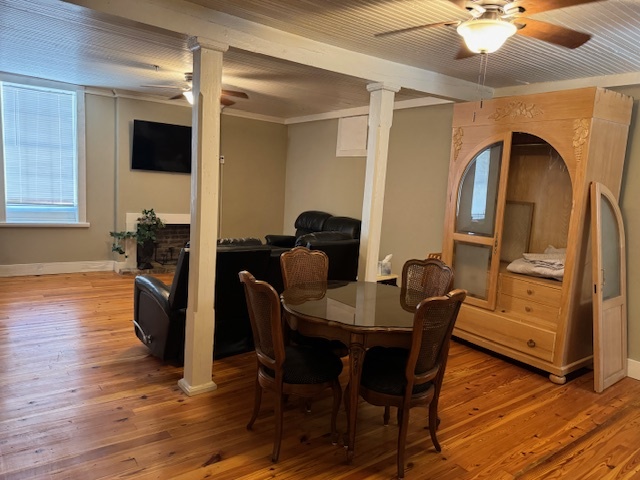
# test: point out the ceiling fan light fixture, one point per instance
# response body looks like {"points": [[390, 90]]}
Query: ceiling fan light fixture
{"points": [[189, 96], [485, 35]]}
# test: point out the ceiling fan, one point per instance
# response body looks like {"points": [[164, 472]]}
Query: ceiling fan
{"points": [[186, 92], [492, 22]]}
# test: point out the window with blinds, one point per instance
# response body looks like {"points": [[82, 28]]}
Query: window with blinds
{"points": [[39, 154]]}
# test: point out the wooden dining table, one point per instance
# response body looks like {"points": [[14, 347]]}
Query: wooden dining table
{"points": [[359, 314]]}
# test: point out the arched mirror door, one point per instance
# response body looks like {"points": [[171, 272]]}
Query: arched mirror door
{"points": [[609, 289], [476, 232]]}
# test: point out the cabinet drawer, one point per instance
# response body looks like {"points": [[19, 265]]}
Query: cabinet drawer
{"points": [[508, 332], [533, 290], [525, 308]]}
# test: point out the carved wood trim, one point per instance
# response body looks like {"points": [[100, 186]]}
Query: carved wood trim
{"points": [[580, 136], [516, 109], [458, 133]]}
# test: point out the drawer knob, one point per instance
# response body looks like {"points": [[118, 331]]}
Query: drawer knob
{"points": [[527, 309], [529, 291], [531, 343]]}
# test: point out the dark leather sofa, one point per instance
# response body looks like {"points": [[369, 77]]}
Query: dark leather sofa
{"points": [[314, 222], [338, 237]]}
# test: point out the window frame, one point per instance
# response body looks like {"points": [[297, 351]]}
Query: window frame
{"points": [[80, 145]]}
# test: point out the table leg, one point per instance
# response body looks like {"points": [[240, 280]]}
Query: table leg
{"points": [[356, 357]]}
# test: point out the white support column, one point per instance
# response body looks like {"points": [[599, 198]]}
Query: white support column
{"points": [[205, 142], [380, 119]]}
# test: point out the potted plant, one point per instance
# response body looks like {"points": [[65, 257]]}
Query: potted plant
{"points": [[145, 235]]}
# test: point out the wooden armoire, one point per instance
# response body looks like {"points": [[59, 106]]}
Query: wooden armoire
{"points": [[519, 179]]}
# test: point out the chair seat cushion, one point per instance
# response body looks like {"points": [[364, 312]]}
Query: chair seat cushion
{"points": [[383, 371], [309, 365], [334, 346]]}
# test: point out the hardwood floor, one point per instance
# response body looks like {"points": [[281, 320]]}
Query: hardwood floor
{"points": [[80, 398]]}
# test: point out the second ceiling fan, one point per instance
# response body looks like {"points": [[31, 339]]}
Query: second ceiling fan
{"points": [[492, 22], [186, 92]]}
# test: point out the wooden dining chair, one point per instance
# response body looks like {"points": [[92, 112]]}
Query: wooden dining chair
{"points": [[423, 279], [301, 265], [406, 378], [299, 370]]}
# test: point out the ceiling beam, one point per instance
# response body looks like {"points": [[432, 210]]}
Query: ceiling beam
{"points": [[195, 20], [605, 81]]}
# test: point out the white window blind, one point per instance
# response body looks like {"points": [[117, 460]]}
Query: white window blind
{"points": [[40, 154]]}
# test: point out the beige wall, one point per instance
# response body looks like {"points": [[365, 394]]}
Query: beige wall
{"points": [[253, 177], [253, 186], [417, 170], [630, 205], [317, 179], [416, 187]]}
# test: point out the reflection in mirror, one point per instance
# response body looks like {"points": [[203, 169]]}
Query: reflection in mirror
{"points": [[610, 250], [478, 193], [306, 292]]}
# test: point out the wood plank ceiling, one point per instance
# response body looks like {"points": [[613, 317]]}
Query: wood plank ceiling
{"points": [[66, 42]]}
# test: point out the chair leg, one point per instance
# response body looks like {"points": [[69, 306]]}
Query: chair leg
{"points": [[385, 417], [337, 399], [347, 407], [434, 421], [256, 404], [278, 433], [403, 417]]}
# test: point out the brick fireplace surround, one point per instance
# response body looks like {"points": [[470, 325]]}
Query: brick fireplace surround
{"points": [[169, 219]]}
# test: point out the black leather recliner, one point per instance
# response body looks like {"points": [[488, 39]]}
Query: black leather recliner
{"points": [[160, 310], [307, 222]]}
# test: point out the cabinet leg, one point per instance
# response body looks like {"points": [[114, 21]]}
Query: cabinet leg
{"points": [[558, 380]]}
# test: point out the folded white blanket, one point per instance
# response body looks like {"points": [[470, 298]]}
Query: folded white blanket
{"points": [[536, 269], [550, 260], [548, 264]]}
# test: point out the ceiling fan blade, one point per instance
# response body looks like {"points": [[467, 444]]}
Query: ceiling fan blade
{"points": [[234, 93], [537, 6], [174, 87], [464, 52], [548, 32], [417, 27], [223, 101], [460, 3]]}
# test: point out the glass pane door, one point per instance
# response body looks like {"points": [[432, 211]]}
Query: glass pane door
{"points": [[478, 194], [475, 234], [609, 290], [472, 266]]}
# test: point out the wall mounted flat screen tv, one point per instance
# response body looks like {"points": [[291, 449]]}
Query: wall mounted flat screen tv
{"points": [[161, 147]]}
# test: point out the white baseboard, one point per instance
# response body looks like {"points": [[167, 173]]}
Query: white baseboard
{"points": [[633, 369], [57, 267]]}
